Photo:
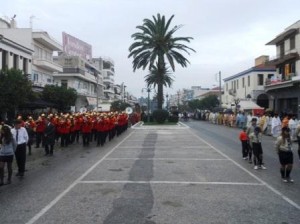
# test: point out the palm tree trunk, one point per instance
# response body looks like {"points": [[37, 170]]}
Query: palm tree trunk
{"points": [[159, 96]]}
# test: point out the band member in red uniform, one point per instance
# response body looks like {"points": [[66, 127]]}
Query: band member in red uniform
{"points": [[100, 130], [86, 130], [30, 128], [65, 125], [40, 128]]}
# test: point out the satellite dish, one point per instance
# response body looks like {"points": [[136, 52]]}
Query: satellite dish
{"points": [[128, 110]]}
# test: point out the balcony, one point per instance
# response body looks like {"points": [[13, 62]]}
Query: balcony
{"points": [[47, 65], [109, 91], [46, 40], [283, 58], [108, 80], [284, 82]]}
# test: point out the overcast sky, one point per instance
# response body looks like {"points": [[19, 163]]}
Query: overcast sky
{"points": [[228, 34]]}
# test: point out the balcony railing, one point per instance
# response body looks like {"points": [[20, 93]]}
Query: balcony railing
{"points": [[277, 80]]}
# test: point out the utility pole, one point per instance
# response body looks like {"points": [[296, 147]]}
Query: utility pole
{"points": [[220, 89]]}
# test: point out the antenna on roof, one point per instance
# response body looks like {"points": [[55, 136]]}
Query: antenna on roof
{"points": [[31, 19]]}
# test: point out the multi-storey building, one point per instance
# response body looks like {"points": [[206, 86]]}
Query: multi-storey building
{"points": [[15, 47], [249, 85], [284, 88], [106, 65], [83, 76], [43, 66]]}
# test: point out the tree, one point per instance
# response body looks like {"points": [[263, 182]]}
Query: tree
{"points": [[15, 90], [207, 103], [155, 44], [61, 96], [154, 77], [119, 105]]}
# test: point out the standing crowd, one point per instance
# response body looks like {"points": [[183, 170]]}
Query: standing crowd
{"points": [[46, 130], [285, 130]]}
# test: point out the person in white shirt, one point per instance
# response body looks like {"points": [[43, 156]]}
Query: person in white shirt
{"points": [[21, 136], [276, 126], [292, 127]]}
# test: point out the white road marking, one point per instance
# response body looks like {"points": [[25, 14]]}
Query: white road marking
{"points": [[61, 195], [291, 202], [79, 180], [165, 147], [167, 182], [175, 159]]}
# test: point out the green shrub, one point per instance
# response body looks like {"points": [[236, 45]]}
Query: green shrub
{"points": [[145, 118], [173, 119], [160, 116]]}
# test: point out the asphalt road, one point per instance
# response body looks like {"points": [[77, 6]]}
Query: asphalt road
{"points": [[154, 175]]}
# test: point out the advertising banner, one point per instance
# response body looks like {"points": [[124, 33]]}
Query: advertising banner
{"points": [[74, 46]]}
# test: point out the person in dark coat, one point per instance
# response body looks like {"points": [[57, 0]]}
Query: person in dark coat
{"points": [[49, 137]]}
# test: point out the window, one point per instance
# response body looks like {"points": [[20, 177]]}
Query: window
{"points": [[64, 83], [243, 82], [260, 79], [35, 77], [237, 84], [226, 86], [248, 80], [292, 43]]}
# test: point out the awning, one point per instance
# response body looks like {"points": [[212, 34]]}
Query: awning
{"points": [[248, 105], [92, 101]]}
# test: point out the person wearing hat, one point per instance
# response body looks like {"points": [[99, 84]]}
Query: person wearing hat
{"points": [[40, 128], [283, 148], [49, 137], [21, 136]]}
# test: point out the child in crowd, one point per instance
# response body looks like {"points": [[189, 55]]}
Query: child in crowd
{"points": [[283, 147], [255, 140], [244, 140]]}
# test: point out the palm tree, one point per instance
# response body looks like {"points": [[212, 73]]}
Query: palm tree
{"points": [[155, 77], [155, 44]]}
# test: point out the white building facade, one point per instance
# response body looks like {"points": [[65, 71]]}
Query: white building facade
{"points": [[84, 77], [43, 66], [15, 47], [248, 85]]}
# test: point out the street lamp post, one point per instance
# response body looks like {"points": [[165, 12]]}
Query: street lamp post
{"points": [[124, 93], [167, 96], [148, 102], [148, 108], [178, 95]]}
